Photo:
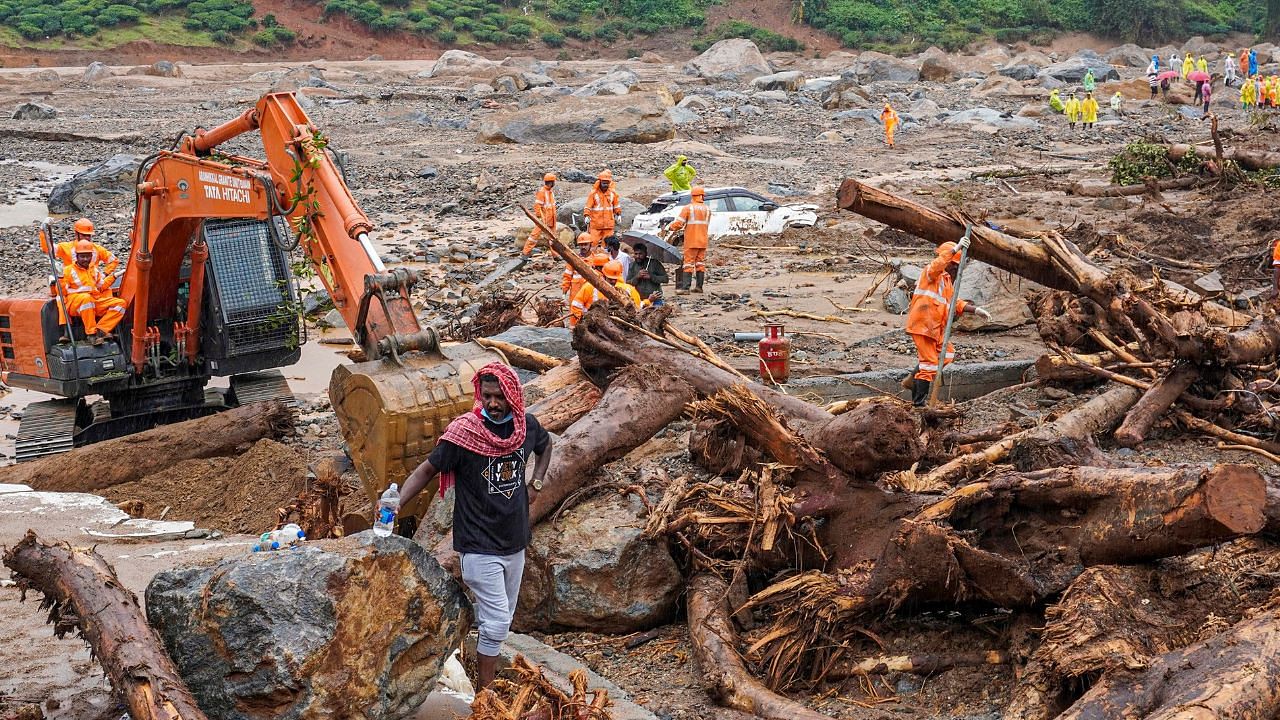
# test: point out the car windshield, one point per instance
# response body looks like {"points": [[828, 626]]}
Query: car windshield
{"points": [[661, 204], [746, 203]]}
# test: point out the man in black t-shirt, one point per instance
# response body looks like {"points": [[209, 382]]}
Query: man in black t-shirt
{"points": [[483, 454]]}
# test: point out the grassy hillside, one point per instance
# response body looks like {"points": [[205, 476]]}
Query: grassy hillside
{"points": [[910, 25]]}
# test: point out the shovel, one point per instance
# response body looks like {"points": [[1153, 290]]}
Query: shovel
{"points": [[951, 317]]}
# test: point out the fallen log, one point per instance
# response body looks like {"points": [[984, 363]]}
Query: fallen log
{"points": [[726, 679], [1247, 159], [924, 664], [1181, 183], [1235, 674], [137, 456], [521, 357], [565, 406], [638, 403], [83, 593], [1153, 404]]}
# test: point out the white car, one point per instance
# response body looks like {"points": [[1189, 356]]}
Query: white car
{"points": [[734, 211]]}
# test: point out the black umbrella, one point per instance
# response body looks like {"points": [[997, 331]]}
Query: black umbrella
{"points": [[659, 249]]}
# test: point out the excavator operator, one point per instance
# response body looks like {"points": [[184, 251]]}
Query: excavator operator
{"points": [[88, 292], [65, 251]]}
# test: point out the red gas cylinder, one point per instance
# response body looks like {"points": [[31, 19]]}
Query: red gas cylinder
{"points": [[775, 355]]}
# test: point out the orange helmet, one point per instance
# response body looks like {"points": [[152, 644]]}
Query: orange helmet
{"points": [[584, 238], [698, 192], [613, 270], [599, 259], [84, 246], [84, 226], [549, 177], [948, 250], [605, 175]]}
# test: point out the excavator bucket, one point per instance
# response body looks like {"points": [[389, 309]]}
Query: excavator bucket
{"points": [[392, 412]]}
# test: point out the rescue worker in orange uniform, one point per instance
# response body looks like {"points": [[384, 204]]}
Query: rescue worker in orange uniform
{"points": [[889, 118], [106, 260], [544, 206], [88, 293], [927, 316], [588, 294], [571, 281], [695, 218], [603, 210]]}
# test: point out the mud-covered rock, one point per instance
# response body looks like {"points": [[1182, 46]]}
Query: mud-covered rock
{"points": [[936, 66], [732, 59], [164, 68], [454, 63], [1129, 55], [114, 176], [1003, 294], [873, 66], [96, 71], [34, 111], [357, 627], [1020, 72], [634, 118], [591, 570], [618, 81], [1073, 69], [789, 81], [553, 341]]}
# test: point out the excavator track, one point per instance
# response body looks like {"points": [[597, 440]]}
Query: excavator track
{"points": [[261, 387], [48, 427]]}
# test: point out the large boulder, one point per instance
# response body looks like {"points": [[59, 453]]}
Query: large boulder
{"points": [[303, 76], [112, 177], [618, 81], [553, 341], [789, 81], [634, 118], [460, 63], [1020, 71], [729, 60], [1002, 293], [873, 66], [96, 71], [630, 209], [34, 111], [164, 68], [592, 570], [1129, 55], [1001, 86], [1073, 69], [845, 93], [936, 66], [981, 117], [1199, 46], [357, 627]]}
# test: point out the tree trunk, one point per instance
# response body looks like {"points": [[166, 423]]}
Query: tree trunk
{"points": [[1235, 674], [723, 673], [1248, 159], [564, 407], [85, 594], [1143, 415], [638, 403], [521, 357], [121, 460], [1084, 190]]}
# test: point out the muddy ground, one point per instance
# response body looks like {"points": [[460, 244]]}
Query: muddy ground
{"points": [[393, 126]]}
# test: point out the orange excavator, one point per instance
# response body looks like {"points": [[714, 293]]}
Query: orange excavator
{"points": [[210, 292]]}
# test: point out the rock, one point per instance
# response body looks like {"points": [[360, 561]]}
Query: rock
{"points": [[333, 319], [1113, 204], [682, 116], [630, 208], [454, 63], [577, 176], [45, 76], [114, 176], [730, 96], [1197, 46], [1031, 110], [164, 68], [694, 102], [924, 110], [1130, 55], [789, 81], [846, 92], [993, 118], [1003, 294], [429, 172], [374, 58], [1029, 57], [748, 110], [650, 57], [480, 90], [1210, 284], [34, 111], [635, 118], [937, 68], [1020, 72], [507, 84], [869, 116], [830, 137], [616, 82], [897, 301], [553, 341], [536, 80], [591, 570], [770, 96], [1001, 86], [873, 66], [1073, 69], [96, 71], [728, 60], [303, 76], [316, 301], [360, 622]]}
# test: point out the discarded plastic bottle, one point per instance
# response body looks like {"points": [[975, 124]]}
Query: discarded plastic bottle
{"points": [[289, 536], [266, 543], [384, 521]]}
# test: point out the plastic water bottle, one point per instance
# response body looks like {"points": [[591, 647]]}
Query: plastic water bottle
{"points": [[384, 520], [266, 543], [289, 536]]}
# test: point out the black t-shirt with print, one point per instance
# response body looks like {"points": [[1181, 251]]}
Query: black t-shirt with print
{"points": [[491, 503]]}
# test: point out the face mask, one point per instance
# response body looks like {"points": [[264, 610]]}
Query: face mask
{"points": [[490, 418]]}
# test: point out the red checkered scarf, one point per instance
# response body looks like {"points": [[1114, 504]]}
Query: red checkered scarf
{"points": [[468, 431]]}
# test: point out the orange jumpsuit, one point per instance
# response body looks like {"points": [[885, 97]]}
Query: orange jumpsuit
{"points": [[570, 281], [604, 209], [695, 218], [927, 317], [544, 206], [103, 258], [588, 294], [88, 294], [889, 117]]}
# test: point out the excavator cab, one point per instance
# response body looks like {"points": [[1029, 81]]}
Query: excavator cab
{"points": [[209, 291]]}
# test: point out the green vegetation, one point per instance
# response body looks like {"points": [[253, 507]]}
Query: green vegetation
{"points": [[767, 40], [107, 23], [912, 25], [1141, 160]]}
